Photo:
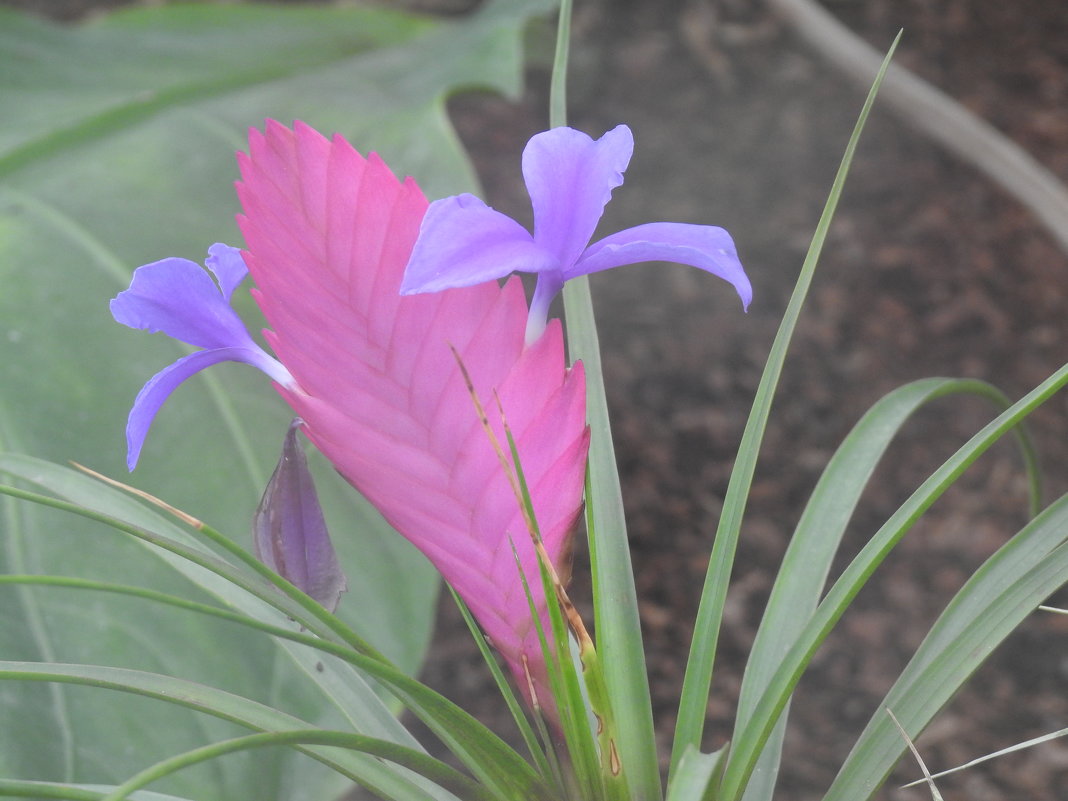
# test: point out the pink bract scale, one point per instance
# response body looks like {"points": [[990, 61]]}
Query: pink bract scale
{"points": [[329, 234]]}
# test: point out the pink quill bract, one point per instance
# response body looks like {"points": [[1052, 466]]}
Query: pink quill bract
{"points": [[329, 234]]}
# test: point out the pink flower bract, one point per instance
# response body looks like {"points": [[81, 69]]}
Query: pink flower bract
{"points": [[329, 233]]}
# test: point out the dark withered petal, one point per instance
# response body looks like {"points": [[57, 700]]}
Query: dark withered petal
{"points": [[289, 532]]}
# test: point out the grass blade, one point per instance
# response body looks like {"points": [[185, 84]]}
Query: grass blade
{"points": [[482, 751], [935, 794], [750, 742], [698, 679], [1045, 738], [70, 792], [1007, 588], [426, 766], [815, 541], [220, 704], [616, 619]]}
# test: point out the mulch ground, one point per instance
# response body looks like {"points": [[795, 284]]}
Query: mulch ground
{"points": [[929, 269]]}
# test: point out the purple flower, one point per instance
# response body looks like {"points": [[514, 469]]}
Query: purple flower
{"points": [[177, 297], [289, 532], [570, 178]]}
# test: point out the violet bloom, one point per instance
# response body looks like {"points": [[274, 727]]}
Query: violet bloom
{"points": [[570, 178], [176, 296]]}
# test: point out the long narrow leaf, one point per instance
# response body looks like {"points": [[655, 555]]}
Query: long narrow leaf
{"points": [[987, 609], [194, 555], [428, 698], [748, 745], [615, 600], [515, 707], [611, 781], [71, 792], [477, 747], [571, 702], [698, 679], [428, 767], [344, 686], [815, 542], [217, 703], [695, 780], [310, 607]]}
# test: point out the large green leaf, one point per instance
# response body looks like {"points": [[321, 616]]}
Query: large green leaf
{"points": [[116, 148]]}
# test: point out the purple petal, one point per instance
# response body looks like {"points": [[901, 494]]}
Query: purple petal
{"points": [[570, 178], [289, 532], [548, 287], [463, 242], [703, 246], [228, 266], [179, 298], [162, 384]]}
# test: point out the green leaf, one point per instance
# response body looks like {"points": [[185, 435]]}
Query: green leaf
{"points": [[498, 766], [571, 688], [615, 600], [696, 776], [815, 542], [515, 706], [616, 618], [228, 708], [73, 792], [699, 665], [346, 689], [416, 761], [116, 149], [748, 745], [994, 601]]}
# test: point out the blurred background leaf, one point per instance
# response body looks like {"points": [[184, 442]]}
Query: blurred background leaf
{"points": [[116, 149]]}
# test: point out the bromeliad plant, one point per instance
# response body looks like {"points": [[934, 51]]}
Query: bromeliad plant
{"points": [[448, 403], [329, 235]]}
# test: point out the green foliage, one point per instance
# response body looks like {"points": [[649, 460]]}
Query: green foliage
{"points": [[994, 601], [796, 622], [487, 757], [699, 665], [621, 681], [806, 565], [696, 776]]}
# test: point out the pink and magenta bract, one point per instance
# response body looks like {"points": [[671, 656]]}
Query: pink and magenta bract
{"points": [[329, 234]]}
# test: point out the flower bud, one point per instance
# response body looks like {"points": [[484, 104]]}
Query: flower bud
{"points": [[289, 532]]}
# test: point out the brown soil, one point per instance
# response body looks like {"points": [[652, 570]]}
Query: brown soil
{"points": [[929, 270]]}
